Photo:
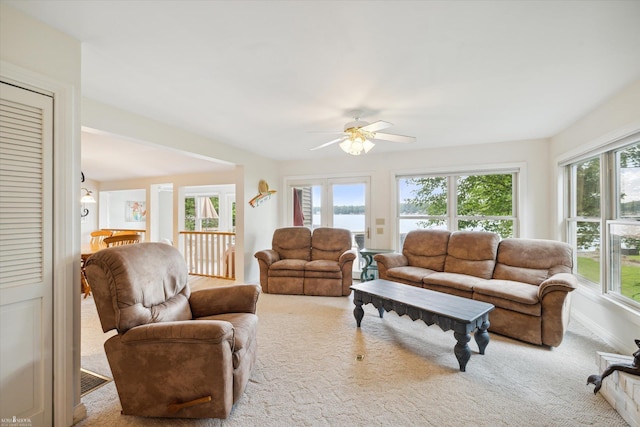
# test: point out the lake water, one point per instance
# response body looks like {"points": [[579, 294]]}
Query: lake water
{"points": [[356, 223]]}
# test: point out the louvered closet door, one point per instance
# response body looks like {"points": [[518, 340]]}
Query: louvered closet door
{"points": [[26, 277]]}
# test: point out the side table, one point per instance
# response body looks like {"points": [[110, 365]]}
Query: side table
{"points": [[370, 269]]}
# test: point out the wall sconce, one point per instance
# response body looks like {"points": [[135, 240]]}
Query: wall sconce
{"points": [[86, 198]]}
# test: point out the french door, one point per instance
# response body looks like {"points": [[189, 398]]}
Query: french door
{"points": [[332, 202]]}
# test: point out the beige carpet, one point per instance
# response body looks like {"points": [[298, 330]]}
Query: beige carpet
{"points": [[308, 374]]}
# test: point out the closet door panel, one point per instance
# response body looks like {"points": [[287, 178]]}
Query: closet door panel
{"points": [[26, 270]]}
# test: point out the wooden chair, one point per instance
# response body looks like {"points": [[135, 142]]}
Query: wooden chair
{"points": [[122, 239], [98, 236], [97, 243]]}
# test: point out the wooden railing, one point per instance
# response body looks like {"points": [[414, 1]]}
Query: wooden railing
{"points": [[209, 253]]}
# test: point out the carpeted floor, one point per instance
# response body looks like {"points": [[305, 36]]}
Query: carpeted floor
{"points": [[315, 368]]}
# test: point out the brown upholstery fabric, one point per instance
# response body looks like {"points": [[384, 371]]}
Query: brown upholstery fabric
{"points": [[292, 243], [472, 253], [426, 248], [161, 356], [329, 243], [532, 261], [322, 267], [527, 280], [143, 296]]}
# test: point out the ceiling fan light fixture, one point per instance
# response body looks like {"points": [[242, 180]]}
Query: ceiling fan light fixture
{"points": [[356, 146]]}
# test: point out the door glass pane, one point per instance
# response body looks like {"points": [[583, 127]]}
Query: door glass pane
{"points": [[349, 210]]}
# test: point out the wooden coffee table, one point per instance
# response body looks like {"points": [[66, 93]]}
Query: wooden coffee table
{"points": [[447, 311]]}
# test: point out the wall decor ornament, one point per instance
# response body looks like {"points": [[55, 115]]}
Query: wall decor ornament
{"points": [[135, 211], [263, 194]]}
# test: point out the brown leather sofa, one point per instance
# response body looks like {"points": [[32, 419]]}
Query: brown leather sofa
{"points": [[177, 353], [527, 280], [304, 263]]}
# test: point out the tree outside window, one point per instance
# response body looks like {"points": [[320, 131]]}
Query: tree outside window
{"points": [[480, 202]]}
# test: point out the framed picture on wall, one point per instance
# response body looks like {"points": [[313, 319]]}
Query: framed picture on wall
{"points": [[135, 211]]}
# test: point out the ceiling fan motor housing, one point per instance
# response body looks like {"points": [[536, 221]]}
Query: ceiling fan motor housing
{"points": [[354, 125]]}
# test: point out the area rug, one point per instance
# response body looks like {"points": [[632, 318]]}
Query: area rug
{"points": [[315, 368]]}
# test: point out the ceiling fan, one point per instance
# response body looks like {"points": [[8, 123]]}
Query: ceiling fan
{"points": [[358, 136]]}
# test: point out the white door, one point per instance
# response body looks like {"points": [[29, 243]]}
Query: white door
{"points": [[26, 270]]}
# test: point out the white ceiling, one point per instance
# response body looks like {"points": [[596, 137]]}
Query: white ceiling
{"points": [[267, 75]]}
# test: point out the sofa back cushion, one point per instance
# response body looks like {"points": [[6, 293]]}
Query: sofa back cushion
{"points": [[329, 243], [292, 243], [532, 260], [472, 253], [138, 284], [426, 248]]}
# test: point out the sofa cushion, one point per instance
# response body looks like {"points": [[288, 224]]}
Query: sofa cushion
{"points": [[287, 266], [472, 253], [515, 296], [329, 243], [322, 265], [532, 260], [453, 280], [426, 248], [292, 243], [415, 275]]}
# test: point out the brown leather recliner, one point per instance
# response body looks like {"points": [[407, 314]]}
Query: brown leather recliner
{"points": [[177, 353], [305, 263]]}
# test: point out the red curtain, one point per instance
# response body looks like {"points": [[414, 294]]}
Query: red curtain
{"points": [[298, 216]]}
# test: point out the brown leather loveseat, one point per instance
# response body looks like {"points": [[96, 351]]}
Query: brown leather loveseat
{"points": [[304, 263], [527, 280], [177, 353]]}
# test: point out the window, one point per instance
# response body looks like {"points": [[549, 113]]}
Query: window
{"points": [[458, 202], [201, 213], [584, 220], [605, 231]]}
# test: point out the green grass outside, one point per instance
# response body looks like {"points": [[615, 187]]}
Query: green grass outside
{"points": [[590, 270]]}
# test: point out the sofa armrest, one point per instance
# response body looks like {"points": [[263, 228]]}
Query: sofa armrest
{"points": [[268, 256], [564, 282], [196, 331], [347, 256], [391, 260], [224, 299]]}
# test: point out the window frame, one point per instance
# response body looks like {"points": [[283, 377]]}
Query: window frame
{"points": [[452, 218], [609, 213]]}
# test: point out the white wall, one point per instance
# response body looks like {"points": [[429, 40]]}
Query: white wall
{"points": [[530, 156], [615, 119], [253, 225], [47, 59]]}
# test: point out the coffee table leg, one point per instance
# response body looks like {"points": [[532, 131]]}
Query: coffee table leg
{"points": [[358, 312], [462, 350], [482, 336]]}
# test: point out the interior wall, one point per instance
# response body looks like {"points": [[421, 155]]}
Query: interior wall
{"points": [[48, 59], [530, 156], [613, 120], [246, 170]]}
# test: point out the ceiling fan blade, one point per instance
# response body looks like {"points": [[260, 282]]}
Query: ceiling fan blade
{"points": [[326, 144], [376, 126], [394, 138]]}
